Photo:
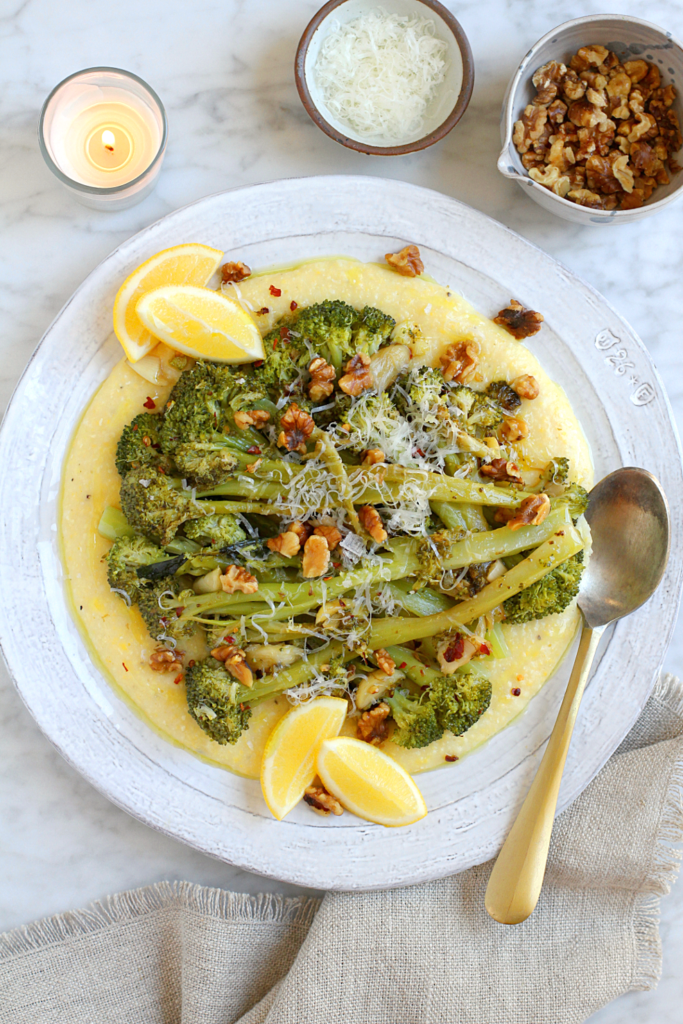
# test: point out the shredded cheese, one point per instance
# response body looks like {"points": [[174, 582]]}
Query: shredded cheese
{"points": [[379, 72]]}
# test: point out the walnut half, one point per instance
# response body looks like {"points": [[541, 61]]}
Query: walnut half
{"points": [[407, 262], [322, 802], [519, 322], [235, 271], [373, 726], [296, 426]]}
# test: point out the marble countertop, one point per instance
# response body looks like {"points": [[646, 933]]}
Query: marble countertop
{"points": [[224, 72]]}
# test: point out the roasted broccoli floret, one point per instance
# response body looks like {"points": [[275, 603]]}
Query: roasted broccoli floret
{"points": [[371, 330], [215, 531], [161, 621], [431, 553], [555, 475], [373, 419], [549, 595], [481, 415], [426, 388], [416, 724], [501, 393], [327, 327], [139, 444], [461, 699], [575, 498], [211, 701], [204, 401], [285, 359], [206, 463], [124, 558]]}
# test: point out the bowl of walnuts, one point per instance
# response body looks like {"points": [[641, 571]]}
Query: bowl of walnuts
{"points": [[591, 121]]}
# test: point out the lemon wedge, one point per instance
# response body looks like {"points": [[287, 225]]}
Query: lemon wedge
{"points": [[288, 765], [183, 264], [200, 322], [369, 783]]}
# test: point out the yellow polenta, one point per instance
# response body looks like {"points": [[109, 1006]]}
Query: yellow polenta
{"points": [[116, 635]]}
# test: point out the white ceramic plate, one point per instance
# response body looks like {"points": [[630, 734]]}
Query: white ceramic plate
{"points": [[584, 345]]}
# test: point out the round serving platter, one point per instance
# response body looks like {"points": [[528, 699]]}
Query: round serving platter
{"points": [[584, 345]]}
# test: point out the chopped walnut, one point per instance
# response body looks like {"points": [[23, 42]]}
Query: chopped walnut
{"points": [[237, 578], [330, 535], [525, 386], [385, 662], [235, 661], [163, 660], [548, 176], [235, 271], [316, 557], [321, 801], [584, 197], [546, 80], [532, 512], [636, 70], [557, 111], [600, 175], [296, 426], [501, 469], [357, 377], [251, 418], [513, 429], [302, 530], [459, 362], [322, 379], [519, 322], [646, 128], [406, 262], [286, 544], [583, 114], [372, 457], [593, 55], [622, 172], [573, 87], [529, 128], [371, 521], [373, 726]]}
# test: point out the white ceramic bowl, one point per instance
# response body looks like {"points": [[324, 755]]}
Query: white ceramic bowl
{"points": [[443, 112], [629, 38]]}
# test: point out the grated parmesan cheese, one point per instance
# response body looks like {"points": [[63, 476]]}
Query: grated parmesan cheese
{"points": [[378, 73]]}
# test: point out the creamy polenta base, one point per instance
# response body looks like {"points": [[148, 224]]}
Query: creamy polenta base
{"points": [[116, 635]]}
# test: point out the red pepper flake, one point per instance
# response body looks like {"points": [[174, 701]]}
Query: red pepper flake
{"points": [[293, 305], [161, 470], [276, 292], [403, 664], [262, 311], [451, 757], [135, 426], [178, 679], [484, 649], [516, 691], [258, 364], [149, 403], [124, 665], [560, 534], [228, 639], [275, 343], [191, 663], [326, 578], [254, 450], [418, 451], [336, 564]]}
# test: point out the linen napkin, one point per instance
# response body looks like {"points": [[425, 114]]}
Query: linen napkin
{"points": [[176, 953]]}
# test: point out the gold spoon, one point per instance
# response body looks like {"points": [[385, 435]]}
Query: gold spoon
{"points": [[629, 519]]}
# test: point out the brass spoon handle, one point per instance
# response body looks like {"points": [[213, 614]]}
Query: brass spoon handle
{"points": [[517, 876]]}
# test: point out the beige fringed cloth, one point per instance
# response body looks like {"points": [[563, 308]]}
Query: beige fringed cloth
{"points": [[429, 954]]}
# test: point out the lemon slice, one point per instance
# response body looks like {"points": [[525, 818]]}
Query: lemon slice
{"points": [[288, 765], [200, 322], [369, 783], [183, 264]]}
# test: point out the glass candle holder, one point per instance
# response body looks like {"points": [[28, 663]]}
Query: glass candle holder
{"points": [[103, 134]]}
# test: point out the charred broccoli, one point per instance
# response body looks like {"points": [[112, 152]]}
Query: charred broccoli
{"points": [[161, 620], [124, 558], [211, 701], [327, 327], [215, 531], [461, 699], [575, 498], [206, 463], [371, 330], [549, 595], [416, 723], [501, 393], [481, 415], [139, 444]]}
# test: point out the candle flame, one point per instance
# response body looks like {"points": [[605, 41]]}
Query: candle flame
{"points": [[108, 139]]}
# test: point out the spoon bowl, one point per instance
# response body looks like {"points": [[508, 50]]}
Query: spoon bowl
{"points": [[629, 519]]}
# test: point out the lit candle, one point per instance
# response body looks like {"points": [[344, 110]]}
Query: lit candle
{"points": [[103, 133]]}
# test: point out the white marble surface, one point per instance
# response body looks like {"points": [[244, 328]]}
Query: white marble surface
{"points": [[224, 72]]}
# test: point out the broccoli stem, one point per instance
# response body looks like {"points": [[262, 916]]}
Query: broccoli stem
{"points": [[418, 602], [381, 482], [300, 672], [114, 524], [337, 469], [449, 514], [495, 638], [557, 549], [415, 669], [475, 520]]}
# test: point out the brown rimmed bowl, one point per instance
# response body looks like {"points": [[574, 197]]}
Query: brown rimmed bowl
{"points": [[444, 111]]}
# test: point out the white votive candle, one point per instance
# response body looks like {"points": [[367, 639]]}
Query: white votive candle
{"points": [[103, 134]]}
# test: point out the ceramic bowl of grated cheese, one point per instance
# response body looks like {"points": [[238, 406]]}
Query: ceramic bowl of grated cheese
{"points": [[385, 77]]}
